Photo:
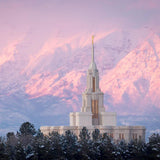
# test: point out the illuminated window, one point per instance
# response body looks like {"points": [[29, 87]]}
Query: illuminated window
{"points": [[121, 136], [95, 108], [134, 136], [94, 84], [111, 135]]}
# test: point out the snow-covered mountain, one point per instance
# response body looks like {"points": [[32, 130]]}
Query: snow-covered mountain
{"points": [[42, 84]]}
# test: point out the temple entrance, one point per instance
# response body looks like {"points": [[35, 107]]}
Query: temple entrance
{"points": [[95, 112]]}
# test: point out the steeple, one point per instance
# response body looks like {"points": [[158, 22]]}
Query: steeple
{"points": [[92, 48], [93, 64], [92, 98], [92, 74]]}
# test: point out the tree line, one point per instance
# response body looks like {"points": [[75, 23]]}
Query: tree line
{"points": [[30, 144]]}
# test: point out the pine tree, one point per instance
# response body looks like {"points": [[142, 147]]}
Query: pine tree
{"points": [[39, 134], [85, 144], [84, 135], [27, 129], [70, 146], [3, 154], [20, 152], [29, 152], [107, 148], [96, 136], [41, 147], [96, 143], [153, 147], [135, 150], [11, 144], [55, 146], [141, 151]]}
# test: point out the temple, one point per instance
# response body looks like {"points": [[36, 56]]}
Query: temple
{"points": [[92, 111], [93, 114]]}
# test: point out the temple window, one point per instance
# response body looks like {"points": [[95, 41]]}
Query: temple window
{"points": [[134, 136], [121, 136], [94, 84], [111, 135], [95, 108]]}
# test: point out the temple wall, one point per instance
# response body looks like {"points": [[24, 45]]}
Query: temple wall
{"points": [[80, 119], [108, 118], [118, 133]]}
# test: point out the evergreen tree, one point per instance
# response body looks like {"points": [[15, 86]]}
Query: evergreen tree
{"points": [[39, 134], [84, 135], [85, 144], [70, 146], [27, 129], [96, 136], [121, 151], [55, 146], [20, 152], [107, 148], [26, 138], [96, 143], [11, 145], [136, 150], [29, 151], [41, 147], [141, 151], [3, 154], [153, 147], [31, 145]]}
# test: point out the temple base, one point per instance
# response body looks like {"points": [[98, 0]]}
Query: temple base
{"points": [[86, 119], [118, 133]]}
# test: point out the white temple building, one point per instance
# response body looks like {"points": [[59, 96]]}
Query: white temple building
{"points": [[93, 114]]}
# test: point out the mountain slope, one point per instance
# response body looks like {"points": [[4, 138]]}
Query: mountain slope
{"points": [[134, 82], [46, 84]]}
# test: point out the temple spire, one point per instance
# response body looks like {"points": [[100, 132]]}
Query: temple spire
{"points": [[93, 64], [92, 48]]}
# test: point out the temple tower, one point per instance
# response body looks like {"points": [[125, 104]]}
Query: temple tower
{"points": [[92, 111], [92, 98]]}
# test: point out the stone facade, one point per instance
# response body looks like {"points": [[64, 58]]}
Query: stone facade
{"points": [[118, 133], [93, 115]]}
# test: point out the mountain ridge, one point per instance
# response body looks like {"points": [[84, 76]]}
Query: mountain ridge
{"points": [[128, 64]]}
